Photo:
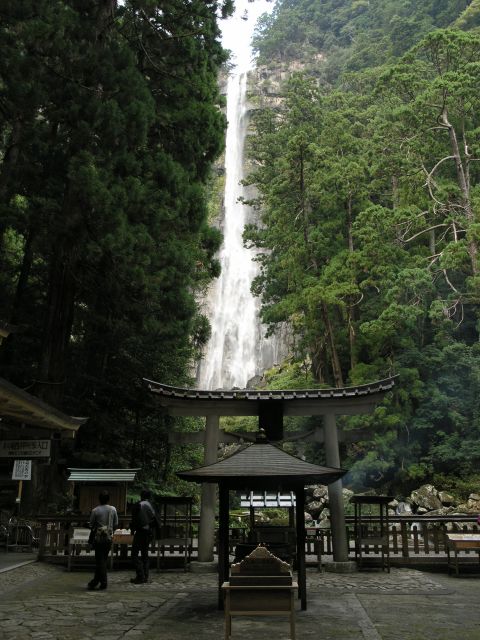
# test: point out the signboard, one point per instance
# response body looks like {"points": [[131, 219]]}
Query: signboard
{"points": [[22, 470], [24, 448]]}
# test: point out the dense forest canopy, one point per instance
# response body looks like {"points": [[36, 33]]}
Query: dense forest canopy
{"points": [[110, 120], [368, 181]]}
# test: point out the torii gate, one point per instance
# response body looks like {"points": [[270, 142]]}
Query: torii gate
{"points": [[270, 407]]}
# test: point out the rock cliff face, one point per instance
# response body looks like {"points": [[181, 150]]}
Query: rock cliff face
{"points": [[265, 82]]}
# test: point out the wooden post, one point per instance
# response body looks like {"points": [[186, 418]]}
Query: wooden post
{"points": [[302, 576], [206, 535], [42, 542], [404, 534], [223, 546], [335, 496], [19, 496]]}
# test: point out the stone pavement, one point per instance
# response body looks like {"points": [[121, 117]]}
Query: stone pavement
{"points": [[40, 601]]}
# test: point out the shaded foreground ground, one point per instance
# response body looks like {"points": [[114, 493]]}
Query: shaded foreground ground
{"points": [[44, 601]]}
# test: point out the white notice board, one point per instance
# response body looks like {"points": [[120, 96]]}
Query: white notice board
{"points": [[22, 470]]}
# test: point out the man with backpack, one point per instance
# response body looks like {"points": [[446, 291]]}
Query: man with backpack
{"points": [[143, 527], [103, 522]]}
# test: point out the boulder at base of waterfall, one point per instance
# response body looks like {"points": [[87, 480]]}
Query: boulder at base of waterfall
{"points": [[257, 382], [315, 507], [473, 503], [324, 522], [444, 511], [471, 506], [446, 498], [308, 517], [320, 491], [426, 497]]}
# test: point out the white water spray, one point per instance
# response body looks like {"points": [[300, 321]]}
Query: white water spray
{"points": [[238, 349]]}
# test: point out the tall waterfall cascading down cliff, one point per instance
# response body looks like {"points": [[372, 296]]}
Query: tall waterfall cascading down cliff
{"points": [[238, 349]]}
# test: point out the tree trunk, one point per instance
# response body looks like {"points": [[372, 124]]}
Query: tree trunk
{"points": [[318, 362], [336, 368], [352, 337], [57, 327], [10, 159], [7, 352], [464, 185], [351, 309]]}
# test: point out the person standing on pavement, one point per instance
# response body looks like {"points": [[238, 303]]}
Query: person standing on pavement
{"points": [[143, 526], [103, 522]]}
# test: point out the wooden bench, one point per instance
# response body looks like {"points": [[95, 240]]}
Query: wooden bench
{"points": [[260, 585]]}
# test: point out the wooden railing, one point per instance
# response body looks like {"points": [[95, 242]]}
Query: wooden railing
{"points": [[54, 534], [410, 537]]}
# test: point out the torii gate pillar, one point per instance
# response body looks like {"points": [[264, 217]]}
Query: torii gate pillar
{"points": [[206, 536], [335, 497]]}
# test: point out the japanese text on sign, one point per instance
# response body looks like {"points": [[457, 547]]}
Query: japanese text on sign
{"points": [[24, 448], [22, 470]]}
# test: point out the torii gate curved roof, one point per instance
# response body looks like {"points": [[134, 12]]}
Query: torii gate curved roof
{"points": [[178, 401]]}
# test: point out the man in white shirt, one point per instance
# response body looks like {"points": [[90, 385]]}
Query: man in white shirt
{"points": [[104, 515]]}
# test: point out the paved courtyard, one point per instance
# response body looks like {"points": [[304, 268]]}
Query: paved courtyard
{"points": [[44, 601]]}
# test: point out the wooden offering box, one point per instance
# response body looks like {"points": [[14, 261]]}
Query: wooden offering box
{"points": [[122, 538], [461, 542], [261, 584]]}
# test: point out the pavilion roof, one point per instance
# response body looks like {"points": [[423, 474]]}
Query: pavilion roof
{"points": [[246, 402], [263, 465], [102, 475], [20, 406]]}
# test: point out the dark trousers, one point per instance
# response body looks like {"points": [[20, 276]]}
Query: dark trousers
{"points": [[141, 542], [102, 549]]}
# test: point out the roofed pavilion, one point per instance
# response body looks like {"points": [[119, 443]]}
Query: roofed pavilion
{"points": [[262, 465], [270, 407]]}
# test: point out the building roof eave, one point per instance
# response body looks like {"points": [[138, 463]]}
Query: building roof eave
{"points": [[20, 406]]}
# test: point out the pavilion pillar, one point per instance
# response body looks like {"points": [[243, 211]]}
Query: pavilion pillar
{"points": [[335, 496], [223, 541], [300, 531], [206, 535]]}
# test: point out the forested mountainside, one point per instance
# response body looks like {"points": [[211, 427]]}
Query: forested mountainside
{"points": [[110, 120], [355, 33], [367, 170]]}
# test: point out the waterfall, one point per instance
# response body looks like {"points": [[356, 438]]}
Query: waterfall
{"points": [[238, 349]]}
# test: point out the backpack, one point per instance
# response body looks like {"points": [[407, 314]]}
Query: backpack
{"points": [[102, 535]]}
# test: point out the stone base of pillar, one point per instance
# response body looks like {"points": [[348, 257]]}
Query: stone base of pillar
{"points": [[341, 567], [203, 567]]}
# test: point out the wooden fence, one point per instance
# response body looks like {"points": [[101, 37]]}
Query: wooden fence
{"points": [[411, 538]]}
